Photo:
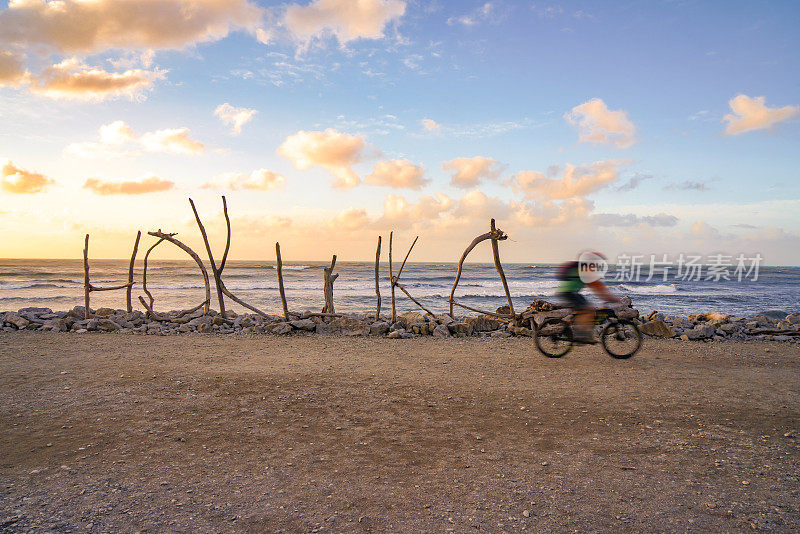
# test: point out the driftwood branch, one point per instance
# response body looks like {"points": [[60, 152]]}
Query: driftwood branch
{"points": [[88, 287], [149, 307], [377, 285], [171, 238], [329, 278], [471, 246], [395, 280], [130, 272], [216, 272], [391, 279], [494, 314], [280, 281], [415, 300], [498, 235]]}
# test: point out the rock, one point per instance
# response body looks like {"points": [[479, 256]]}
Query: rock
{"points": [[710, 317], [782, 338], [104, 312], [205, 327], [281, 328], [729, 328], [107, 325], [219, 320], [701, 331], [446, 319], [348, 326], [16, 320], [503, 310], [65, 323], [793, 318], [765, 320], [684, 337], [656, 316], [322, 329], [626, 301], [307, 325], [658, 328], [460, 329], [441, 331], [378, 328], [410, 318], [520, 331], [198, 321], [34, 311], [624, 312], [396, 334], [483, 323]]}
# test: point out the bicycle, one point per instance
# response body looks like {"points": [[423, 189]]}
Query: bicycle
{"points": [[621, 338]]}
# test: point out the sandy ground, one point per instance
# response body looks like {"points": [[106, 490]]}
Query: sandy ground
{"points": [[197, 433]]}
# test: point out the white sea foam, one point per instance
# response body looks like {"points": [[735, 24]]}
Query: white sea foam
{"points": [[660, 289]]}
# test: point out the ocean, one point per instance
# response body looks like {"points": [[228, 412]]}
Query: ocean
{"points": [[58, 284]]}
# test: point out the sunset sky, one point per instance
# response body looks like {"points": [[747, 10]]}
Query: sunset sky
{"points": [[628, 127]]}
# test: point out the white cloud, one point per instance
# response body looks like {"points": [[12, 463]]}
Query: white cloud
{"points": [[486, 12], [234, 117], [597, 124], [397, 173], [431, 125], [548, 213], [117, 139], [752, 113], [347, 20], [469, 172], [574, 182], [258, 180], [333, 151], [397, 210], [630, 219]]}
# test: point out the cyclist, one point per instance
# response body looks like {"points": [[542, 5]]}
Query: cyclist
{"points": [[587, 270]]}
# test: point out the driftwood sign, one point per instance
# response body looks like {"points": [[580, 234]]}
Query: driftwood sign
{"points": [[329, 277]]}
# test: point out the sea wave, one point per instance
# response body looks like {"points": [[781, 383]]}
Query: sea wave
{"points": [[660, 289]]}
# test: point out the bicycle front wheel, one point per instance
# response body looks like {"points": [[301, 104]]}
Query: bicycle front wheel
{"points": [[554, 338], [621, 339]]}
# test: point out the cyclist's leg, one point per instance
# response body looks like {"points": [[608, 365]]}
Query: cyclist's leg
{"points": [[584, 318]]}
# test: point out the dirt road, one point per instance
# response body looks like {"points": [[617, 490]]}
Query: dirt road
{"points": [[300, 434]]}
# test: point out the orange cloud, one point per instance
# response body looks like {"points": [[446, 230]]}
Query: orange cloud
{"points": [[73, 80], [79, 26], [259, 180], [468, 172], [19, 181], [347, 20], [574, 182], [397, 209], [350, 220], [597, 124], [549, 213], [234, 117], [397, 173], [12, 71], [149, 184], [118, 139], [174, 141], [753, 114], [333, 151]]}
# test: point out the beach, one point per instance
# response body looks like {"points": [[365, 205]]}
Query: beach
{"points": [[303, 433]]}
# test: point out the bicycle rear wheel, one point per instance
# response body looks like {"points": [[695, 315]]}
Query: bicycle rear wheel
{"points": [[621, 339], [554, 338]]}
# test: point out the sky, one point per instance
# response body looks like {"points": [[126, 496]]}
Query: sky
{"points": [[664, 127]]}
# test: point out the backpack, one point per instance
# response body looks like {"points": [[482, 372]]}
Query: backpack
{"points": [[563, 271]]}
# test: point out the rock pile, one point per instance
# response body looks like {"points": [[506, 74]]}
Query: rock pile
{"points": [[705, 327]]}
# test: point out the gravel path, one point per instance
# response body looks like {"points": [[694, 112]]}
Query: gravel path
{"points": [[199, 433]]}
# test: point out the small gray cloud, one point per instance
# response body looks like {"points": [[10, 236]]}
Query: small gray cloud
{"points": [[745, 226], [633, 182], [629, 219], [687, 185]]}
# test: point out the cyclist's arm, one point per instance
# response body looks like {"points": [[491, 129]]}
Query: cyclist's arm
{"points": [[602, 291]]}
